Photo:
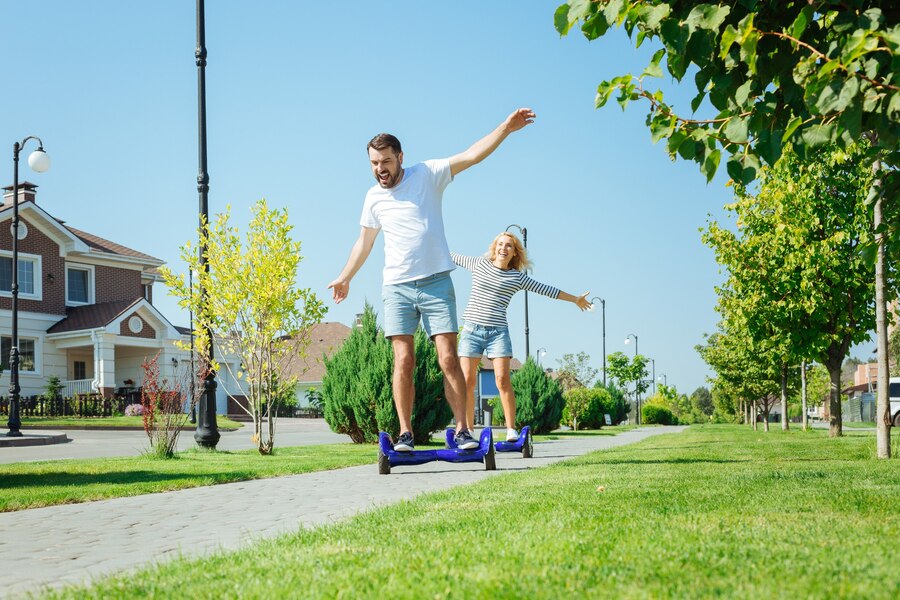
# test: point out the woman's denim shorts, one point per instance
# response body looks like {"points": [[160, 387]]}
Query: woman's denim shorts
{"points": [[476, 340]]}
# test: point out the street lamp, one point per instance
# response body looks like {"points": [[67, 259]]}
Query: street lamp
{"points": [[524, 232], [653, 362], [637, 395], [39, 163], [207, 434], [541, 352], [603, 310], [663, 375]]}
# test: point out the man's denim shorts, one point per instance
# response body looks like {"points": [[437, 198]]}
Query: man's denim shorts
{"points": [[476, 340], [431, 299]]}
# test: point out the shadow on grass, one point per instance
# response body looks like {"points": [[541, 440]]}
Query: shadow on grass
{"points": [[671, 461], [32, 480]]}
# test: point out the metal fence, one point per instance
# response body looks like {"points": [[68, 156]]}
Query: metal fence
{"points": [[88, 405]]}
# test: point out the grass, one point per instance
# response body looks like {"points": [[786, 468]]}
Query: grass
{"points": [[35, 484], [223, 422], [717, 511]]}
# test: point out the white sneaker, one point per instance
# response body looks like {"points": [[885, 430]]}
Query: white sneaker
{"points": [[512, 435]]}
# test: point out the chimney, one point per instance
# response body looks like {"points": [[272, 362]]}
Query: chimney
{"points": [[27, 193]]}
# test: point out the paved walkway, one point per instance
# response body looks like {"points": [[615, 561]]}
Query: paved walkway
{"points": [[73, 543]]}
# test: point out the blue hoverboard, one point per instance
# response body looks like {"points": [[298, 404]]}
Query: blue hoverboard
{"points": [[524, 444], [388, 457]]}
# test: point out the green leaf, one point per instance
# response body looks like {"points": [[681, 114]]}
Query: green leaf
{"points": [[728, 37], [711, 164], [817, 135], [748, 50], [653, 69], [800, 23], [706, 16], [561, 20], [791, 128], [611, 11], [661, 126], [736, 129], [688, 149], [594, 27], [743, 92], [837, 95], [698, 99], [655, 15]]}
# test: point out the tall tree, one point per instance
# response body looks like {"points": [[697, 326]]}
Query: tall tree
{"points": [[575, 370], [805, 72], [796, 269]]}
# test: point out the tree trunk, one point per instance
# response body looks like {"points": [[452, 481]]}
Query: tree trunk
{"points": [[784, 399], [836, 426], [803, 395], [753, 415], [883, 391]]}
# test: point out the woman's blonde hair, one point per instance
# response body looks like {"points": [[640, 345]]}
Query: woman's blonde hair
{"points": [[520, 261]]}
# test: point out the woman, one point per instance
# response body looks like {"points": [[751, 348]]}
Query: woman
{"points": [[496, 277]]}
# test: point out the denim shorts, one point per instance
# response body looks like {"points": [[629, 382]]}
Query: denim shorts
{"points": [[476, 340], [431, 299]]}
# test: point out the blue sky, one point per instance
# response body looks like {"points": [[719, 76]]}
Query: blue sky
{"points": [[294, 92]]}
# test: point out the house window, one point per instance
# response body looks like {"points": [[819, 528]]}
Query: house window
{"points": [[26, 354], [29, 275], [79, 369], [79, 285]]}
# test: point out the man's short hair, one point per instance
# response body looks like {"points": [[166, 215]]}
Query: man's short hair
{"points": [[384, 140]]}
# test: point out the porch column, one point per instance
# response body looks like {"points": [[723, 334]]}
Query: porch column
{"points": [[104, 365]]}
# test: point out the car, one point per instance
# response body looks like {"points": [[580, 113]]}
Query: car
{"points": [[895, 401]]}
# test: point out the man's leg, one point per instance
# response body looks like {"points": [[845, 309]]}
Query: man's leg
{"points": [[403, 387], [454, 380]]}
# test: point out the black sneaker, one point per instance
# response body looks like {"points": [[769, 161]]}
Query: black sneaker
{"points": [[404, 443], [465, 441]]}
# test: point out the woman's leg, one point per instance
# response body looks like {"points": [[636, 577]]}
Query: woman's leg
{"points": [[507, 396], [470, 372]]}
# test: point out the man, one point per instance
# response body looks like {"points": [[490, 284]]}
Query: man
{"points": [[406, 204]]}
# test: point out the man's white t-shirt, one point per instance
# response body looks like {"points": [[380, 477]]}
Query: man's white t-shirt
{"points": [[410, 216]]}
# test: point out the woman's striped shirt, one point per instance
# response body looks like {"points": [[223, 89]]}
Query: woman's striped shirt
{"points": [[493, 288]]}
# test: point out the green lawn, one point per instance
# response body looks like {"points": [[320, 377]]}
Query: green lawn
{"points": [[107, 422], [33, 484], [717, 511]]}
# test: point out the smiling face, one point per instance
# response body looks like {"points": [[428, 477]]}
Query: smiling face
{"points": [[387, 166], [504, 251]]}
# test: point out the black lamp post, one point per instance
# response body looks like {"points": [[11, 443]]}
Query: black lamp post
{"points": [[524, 232], [637, 394], [207, 434], [39, 162], [603, 307]]}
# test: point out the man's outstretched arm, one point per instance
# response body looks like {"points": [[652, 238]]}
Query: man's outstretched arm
{"points": [[483, 147], [358, 255]]}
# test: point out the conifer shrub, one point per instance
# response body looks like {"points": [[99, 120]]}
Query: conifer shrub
{"points": [[539, 399], [357, 399]]}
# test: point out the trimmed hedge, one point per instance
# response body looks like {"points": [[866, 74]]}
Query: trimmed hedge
{"points": [[654, 413]]}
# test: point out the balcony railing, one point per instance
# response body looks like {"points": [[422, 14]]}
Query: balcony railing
{"points": [[74, 387]]}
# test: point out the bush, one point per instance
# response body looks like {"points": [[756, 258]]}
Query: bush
{"points": [[53, 388], [590, 406], [356, 390], [654, 413], [134, 410], [539, 399]]}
